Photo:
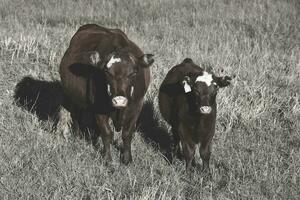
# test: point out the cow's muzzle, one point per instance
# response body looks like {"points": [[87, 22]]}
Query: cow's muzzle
{"points": [[205, 109], [119, 102]]}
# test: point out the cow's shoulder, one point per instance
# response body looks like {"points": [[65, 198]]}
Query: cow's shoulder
{"points": [[89, 27], [117, 32], [112, 37], [94, 29]]}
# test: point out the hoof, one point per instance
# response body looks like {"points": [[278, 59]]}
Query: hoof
{"points": [[125, 158]]}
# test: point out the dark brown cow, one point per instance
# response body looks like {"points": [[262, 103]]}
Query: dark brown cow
{"points": [[187, 101], [105, 73]]}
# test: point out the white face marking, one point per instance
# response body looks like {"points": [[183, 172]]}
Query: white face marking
{"points": [[112, 61], [131, 90], [108, 89], [206, 78], [187, 88]]}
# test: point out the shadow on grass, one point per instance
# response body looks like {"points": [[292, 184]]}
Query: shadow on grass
{"points": [[45, 99], [153, 133]]}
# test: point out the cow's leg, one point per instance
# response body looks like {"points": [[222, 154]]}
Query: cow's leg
{"points": [[106, 134], [75, 123], [205, 152], [87, 123], [125, 154], [129, 126]]}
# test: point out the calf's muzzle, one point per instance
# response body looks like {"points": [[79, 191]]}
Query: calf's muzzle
{"points": [[205, 109], [119, 102]]}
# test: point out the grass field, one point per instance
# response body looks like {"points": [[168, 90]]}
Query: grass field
{"points": [[256, 149]]}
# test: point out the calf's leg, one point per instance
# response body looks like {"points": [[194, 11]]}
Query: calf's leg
{"points": [[125, 151], [189, 153], [205, 152], [188, 146], [176, 144], [176, 151]]}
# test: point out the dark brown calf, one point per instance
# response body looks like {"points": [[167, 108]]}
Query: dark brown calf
{"points": [[187, 101], [106, 74]]}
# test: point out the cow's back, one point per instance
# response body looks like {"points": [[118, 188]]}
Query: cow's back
{"points": [[167, 102]]}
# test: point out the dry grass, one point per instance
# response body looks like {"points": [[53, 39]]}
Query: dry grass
{"points": [[256, 153]]}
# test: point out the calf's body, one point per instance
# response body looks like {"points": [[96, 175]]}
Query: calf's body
{"points": [[187, 101]]}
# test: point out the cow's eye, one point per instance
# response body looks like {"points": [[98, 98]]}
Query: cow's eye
{"points": [[132, 74], [107, 73]]}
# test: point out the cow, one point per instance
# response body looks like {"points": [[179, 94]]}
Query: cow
{"points": [[187, 101], [104, 73]]}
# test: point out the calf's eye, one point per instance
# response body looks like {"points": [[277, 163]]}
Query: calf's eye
{"points": [[197, 92]]}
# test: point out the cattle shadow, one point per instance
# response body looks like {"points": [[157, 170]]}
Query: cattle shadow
{"points": [[46, 98], [43, 98], [153, 133]]}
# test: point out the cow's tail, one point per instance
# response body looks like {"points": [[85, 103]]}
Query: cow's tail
{"points": [[44, 98]]}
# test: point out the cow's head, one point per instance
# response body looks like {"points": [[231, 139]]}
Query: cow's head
{"points": [[204, 87], [121, 69]]}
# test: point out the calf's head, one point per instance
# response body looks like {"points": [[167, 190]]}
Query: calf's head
{"points": [[121, 69], [203, 88]]}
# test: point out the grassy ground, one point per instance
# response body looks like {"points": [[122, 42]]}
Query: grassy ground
{"points": [[256, 152]]}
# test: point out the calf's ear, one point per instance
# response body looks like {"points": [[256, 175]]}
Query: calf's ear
{"points": [[186, 83], [173, 89], [146, 60], [222, 81]]}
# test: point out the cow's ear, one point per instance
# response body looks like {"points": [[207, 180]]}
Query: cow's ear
{"points": [[222, 81], [94, 58], [146, 60], [96, 61], [186, 83], [89, 61]]}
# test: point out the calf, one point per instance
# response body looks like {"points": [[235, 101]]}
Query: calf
{"points": [[187, 101], [106, 74]]}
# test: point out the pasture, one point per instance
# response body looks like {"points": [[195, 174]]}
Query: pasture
{"points": [[256, 149]]}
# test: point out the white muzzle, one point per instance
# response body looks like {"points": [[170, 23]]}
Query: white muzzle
{"points": [[119, 102], [205, 109]]}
